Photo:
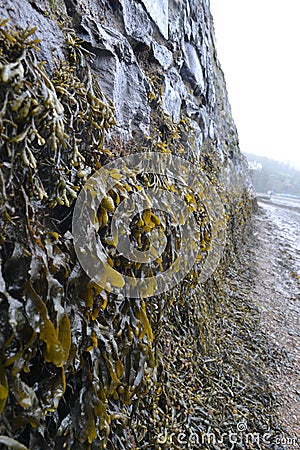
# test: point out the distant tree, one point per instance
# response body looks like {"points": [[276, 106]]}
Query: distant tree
{"points": [[275, 176]]}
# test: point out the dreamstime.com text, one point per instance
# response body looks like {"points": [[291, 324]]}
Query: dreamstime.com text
{"points": [[238, 437]]}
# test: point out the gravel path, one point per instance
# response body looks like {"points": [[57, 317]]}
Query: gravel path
{"points": [[277, 296]]}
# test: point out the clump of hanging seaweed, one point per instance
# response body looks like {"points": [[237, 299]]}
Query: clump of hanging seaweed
{"points": [[52, 128]]}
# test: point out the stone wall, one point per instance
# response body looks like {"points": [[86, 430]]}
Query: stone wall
{"points": [[134, 41]]}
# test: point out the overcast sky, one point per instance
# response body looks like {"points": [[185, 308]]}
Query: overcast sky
{"points": [[258, 45]]}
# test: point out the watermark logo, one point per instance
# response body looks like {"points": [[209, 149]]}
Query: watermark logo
{"points": [[242, 426], [240, 437], [143, 221]]}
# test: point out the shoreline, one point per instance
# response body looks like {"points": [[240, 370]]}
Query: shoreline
{"points": [[276, 293]]}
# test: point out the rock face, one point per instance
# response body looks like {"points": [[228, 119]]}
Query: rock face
{"points": [[132, 41], [81, 367]]}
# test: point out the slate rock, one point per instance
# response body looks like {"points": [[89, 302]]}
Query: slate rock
{"points": [[162, 55], [192, 69], [22, 14], [174, 92], [137, 22], [120, 76], [158, 11]]}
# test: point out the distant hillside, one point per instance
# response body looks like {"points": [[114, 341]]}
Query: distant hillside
{"points": [[274, 176]]}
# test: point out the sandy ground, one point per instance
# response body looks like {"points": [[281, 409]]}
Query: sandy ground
{"points": [[276, 292]]}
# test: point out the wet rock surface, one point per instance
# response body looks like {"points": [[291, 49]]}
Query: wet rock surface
{"points": [[158, 11], [24, 14], [132, 41]]}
